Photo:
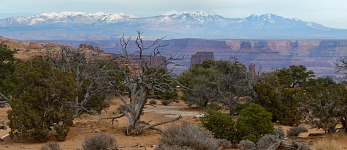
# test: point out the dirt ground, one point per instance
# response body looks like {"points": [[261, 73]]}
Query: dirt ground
{"points": [[88, 125]]}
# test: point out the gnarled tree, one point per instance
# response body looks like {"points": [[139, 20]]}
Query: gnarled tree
{"points": [[224, 82], [325, 104], [91, 75], [142, 71]]}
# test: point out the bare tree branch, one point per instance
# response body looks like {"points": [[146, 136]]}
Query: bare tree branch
{"points": [[143, 73], [161, 123]]}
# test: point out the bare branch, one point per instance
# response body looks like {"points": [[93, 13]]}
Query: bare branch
{"points": [[114, 117], [164, 122]]}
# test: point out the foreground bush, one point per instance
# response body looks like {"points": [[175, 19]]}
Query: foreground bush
{"points": [[254, 122], [221, 125], [187, 137], [100, 141], [41, 101], [50, 146]]}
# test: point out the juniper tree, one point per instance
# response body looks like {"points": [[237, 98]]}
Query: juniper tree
{"points": [[41, 101]]}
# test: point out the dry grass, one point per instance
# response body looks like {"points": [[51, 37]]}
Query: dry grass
{"points": [[326, 144]]}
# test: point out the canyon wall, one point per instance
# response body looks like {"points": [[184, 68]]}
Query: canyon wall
{"points": [[267, 55]]}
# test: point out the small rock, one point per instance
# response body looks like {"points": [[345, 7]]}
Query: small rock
{"points": [[199, 116], [96, 131]]}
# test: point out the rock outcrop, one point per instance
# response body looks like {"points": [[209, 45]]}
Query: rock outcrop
{"points": [[267, 55], [200, 57], [26, 50], [90, 47]]}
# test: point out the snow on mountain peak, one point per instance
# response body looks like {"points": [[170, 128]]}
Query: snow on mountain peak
{"points": [[171, 19], [52, 15], [75, 17], [201, 13], [199, 17], [118, 16]]}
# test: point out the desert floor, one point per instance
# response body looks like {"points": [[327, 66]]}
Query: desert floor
{"points": [[88, 125]]}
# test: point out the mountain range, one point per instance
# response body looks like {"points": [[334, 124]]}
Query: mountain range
{"points": [[174, 25]]}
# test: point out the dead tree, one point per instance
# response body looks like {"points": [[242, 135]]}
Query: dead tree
{"points": [[142, 72]]}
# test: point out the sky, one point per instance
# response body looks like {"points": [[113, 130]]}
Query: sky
{"points": [[331, 13]]}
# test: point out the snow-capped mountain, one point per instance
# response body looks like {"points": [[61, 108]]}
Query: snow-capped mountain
{"points": [[200, 17], [271, 21], [65, 18], [174, 24]]}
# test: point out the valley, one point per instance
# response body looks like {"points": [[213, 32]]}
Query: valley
{"points": [[317, 55]]}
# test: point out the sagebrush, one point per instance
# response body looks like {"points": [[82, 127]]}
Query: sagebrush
{"points": [[268, 142], [51, 146], [247, 145], [295, 131], [187, 137], [100, 141]]}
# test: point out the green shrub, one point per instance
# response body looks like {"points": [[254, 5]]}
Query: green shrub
{"points": [[281, 102], [254, 121], [187, 137], [100, 141], [220, 124], [41, 101]]}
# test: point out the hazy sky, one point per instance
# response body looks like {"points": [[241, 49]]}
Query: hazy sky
{"points": [[331, 13]]}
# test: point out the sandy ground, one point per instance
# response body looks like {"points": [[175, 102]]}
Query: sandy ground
{"points": [[88, 125]]}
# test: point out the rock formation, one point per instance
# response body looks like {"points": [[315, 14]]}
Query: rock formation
{"points": [[26, 50], [200, 57], [251, 69], [316, 55]]}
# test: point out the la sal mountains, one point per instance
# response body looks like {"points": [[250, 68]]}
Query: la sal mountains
{"points": [[268, 41], [200, 24]]}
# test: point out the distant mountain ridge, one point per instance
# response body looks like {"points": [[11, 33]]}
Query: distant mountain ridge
{"points": [[199, 24], [65, 18]]}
